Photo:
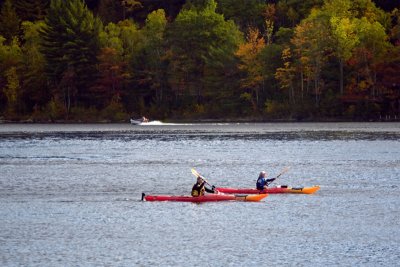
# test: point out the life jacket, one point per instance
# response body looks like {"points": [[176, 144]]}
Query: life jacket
{"points": [[260, 183], [198, 190]]}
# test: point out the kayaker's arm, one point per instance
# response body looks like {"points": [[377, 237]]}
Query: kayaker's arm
{"points": [[212, 190]]}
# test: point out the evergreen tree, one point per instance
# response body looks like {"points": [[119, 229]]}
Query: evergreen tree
{"points": [[70, 46]]}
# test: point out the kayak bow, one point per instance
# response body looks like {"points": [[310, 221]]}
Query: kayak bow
{"points": [[206, 198], [271, 190]]}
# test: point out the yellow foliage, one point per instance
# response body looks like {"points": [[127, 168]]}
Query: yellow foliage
{"points": [[250, 63]]}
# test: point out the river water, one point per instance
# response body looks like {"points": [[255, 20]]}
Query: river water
{"points": [[70, 195]]}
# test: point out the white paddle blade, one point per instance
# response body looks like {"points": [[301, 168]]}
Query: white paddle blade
{"points": [[195, 173]]}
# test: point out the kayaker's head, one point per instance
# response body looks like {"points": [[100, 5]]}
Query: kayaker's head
{"points": [[199, 179], [263, 174]]}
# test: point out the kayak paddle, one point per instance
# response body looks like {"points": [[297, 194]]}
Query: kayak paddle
{"points": [[195, 173], [282, 172]]}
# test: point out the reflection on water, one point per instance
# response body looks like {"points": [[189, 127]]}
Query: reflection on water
{"points": [[70, 195]]}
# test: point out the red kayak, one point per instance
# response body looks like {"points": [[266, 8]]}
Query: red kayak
{"points": [[205, 198], [271, 190]]}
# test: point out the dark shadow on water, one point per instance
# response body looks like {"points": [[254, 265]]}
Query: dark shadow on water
{"points": [[204, 135]]}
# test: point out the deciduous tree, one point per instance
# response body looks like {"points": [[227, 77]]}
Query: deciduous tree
{"points": [[313, 42], [12, 91], [200, 39], [251, 65], [150, 64], [33, 79], [10, 61]]}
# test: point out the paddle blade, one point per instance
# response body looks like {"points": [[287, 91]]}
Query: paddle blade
{"points": [[283, 171], [195, 173]]}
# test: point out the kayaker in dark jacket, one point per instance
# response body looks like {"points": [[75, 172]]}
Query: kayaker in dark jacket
{"points": [[262, 181], [200, 187]]}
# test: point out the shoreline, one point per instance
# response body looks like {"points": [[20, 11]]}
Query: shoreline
{"points": [[230, 120]]}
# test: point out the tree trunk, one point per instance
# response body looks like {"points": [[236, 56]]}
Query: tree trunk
{"points": [[302, 84], [341, 75]]}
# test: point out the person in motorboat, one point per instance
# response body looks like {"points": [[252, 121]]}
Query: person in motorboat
{"points": [[139, 120], [199, 188], [262, 181]]}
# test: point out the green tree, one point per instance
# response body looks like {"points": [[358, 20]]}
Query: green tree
{"points": [[131, 37], [200, 40], [121, 43], [110, 37], [9, 21], [10, 58], [12, 91], [70, 46], [152, 57], [124, 37], [370, 52], [345, 38], [313, 45], [342, 32], [33, 81]]}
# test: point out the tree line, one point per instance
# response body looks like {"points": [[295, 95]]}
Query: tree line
{"points": [[109, 60]]}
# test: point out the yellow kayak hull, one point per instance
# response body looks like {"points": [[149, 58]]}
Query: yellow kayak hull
{"points": [[270, 190]]}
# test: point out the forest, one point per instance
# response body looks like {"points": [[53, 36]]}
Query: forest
{"points": [[227, 60]]}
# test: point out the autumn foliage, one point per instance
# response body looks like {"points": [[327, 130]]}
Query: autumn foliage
{"points": [[215, 59]]}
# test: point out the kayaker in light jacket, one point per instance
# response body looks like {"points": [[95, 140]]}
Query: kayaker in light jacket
{"points": [[199, 188], [262, 181]]}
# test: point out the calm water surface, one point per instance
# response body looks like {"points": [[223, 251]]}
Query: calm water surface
{"points": [[70, 195]]}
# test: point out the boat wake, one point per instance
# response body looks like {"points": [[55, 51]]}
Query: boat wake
{"points": [[152, 123]]}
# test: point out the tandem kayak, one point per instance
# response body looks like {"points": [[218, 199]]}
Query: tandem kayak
{"points": [[206, 198], [271, 190]]}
